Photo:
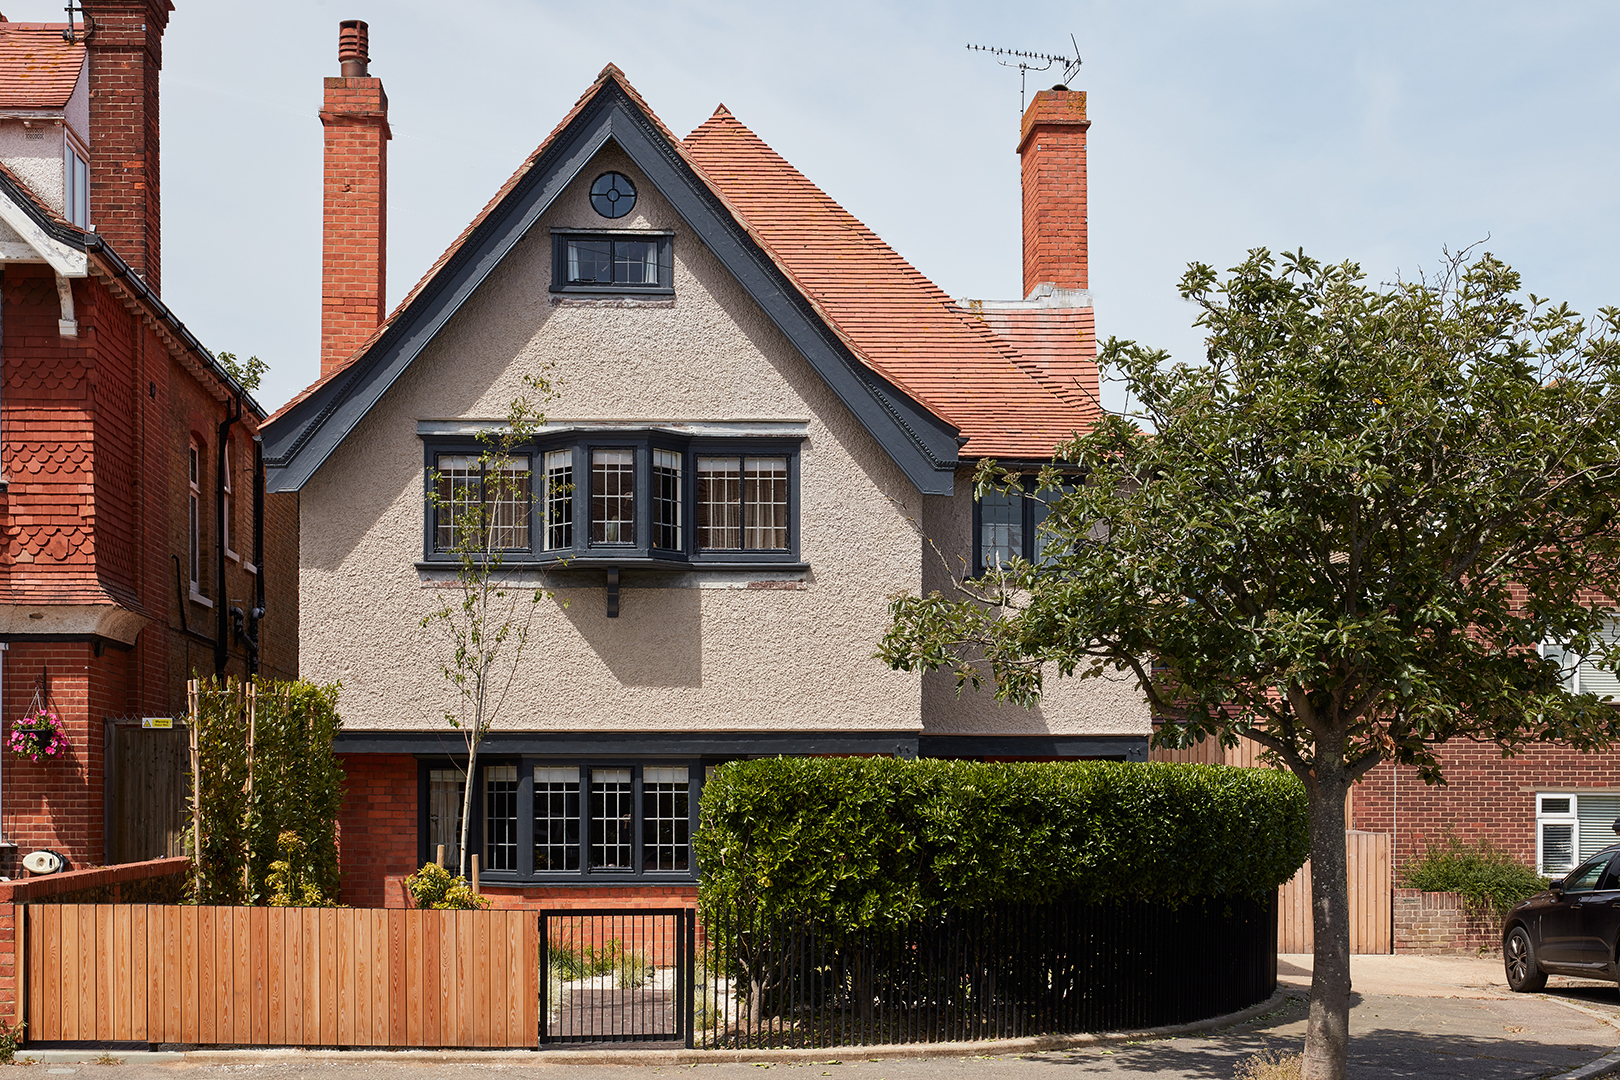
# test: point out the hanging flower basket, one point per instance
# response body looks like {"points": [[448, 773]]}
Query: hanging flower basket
{"points": [[38, 736]]}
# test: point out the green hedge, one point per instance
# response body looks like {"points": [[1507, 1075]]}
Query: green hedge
{"points": [[864, 842]]}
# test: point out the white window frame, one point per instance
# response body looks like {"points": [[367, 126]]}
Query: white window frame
{"points": [[194, 497], [230, 502], [1572, 678], [1570, 818], [75, 185]]}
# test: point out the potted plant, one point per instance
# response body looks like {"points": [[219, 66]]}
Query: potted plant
{"points": [[37, 735]]}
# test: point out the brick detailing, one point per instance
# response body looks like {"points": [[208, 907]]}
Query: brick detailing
{"points": [[1439, 924], [1052, 148], [126, 54], [354, 250]]}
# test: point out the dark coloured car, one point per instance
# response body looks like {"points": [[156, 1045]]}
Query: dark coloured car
{"points": [[1571, 929]]}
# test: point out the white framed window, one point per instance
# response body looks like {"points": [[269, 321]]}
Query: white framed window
{"points": [[194, 525], [1587, 674], [1572, 826], [230, 504], [76, 187], [485, 507], [558, 506]]}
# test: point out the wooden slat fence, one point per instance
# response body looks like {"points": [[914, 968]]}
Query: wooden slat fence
{"points": [[267, 976], [1371, 899]]}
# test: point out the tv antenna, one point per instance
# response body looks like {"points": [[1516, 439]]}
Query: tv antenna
{"points": [[1026, 62]]}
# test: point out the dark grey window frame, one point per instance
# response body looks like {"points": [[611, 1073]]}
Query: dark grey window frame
{"points": [[1030, 521], [559, 262], [642, 442], [525, 874]]}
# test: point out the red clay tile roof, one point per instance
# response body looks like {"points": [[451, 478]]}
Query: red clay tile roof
{"points": [[890, 316], [897, 321], [1057, 346], [38, 69]]}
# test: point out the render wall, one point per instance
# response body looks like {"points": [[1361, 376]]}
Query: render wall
{"points": [[698, 651], [1106, 705]]}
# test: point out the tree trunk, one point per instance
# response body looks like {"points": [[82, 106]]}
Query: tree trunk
{"points": [[1327, 1033], [467, 802]]}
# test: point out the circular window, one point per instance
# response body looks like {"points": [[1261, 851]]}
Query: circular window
{"points": [[613, 195]]}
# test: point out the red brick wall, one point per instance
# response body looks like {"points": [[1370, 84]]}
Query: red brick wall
{"points": [[1440, 924], [354, 257], [1052, 148], [126, 54], [1487, 797], [377, 827]]}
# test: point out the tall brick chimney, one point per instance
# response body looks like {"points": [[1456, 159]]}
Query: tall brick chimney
{"points": [[125, 43], [354, 250], [1052, 146]]}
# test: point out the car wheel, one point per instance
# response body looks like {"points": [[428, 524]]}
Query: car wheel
{"points": [[1524, 975]]}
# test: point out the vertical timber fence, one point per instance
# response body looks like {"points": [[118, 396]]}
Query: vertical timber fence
{"points": [[267, 976]]}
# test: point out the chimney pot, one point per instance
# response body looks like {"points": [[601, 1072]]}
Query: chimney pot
{"points": [[354, 49]]}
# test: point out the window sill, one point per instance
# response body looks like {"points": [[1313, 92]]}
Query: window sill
{"points": [[615, 291], [598, 563], [199, 598], [250, 568], [233, 556]]}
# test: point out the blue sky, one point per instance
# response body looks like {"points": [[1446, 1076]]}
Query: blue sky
{"points": [[1378, 132]]}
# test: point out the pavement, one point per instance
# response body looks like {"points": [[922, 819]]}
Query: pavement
{"points": [[1411, 1016]]}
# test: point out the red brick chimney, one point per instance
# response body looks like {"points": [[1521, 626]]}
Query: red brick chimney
{"points": [[125, 43], [1052, 146], [354, 250]]}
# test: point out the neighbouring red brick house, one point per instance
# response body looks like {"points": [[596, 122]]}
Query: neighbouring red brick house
{"points": [[137, 547]]}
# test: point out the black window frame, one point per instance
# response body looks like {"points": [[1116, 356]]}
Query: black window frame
{"points": [[584, 552], [525, 874], [665, 286], [1032, 517]]}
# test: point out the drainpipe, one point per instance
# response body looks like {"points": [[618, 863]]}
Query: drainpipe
{"points": [[221, 614], [256, 613]]}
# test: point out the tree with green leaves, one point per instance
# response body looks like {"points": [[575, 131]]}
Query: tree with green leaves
{"points": [[247, 373], [1348, 535], [482, 510]]}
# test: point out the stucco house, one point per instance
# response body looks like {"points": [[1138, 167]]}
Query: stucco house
{"points": [[136, 546], [766, 422]]}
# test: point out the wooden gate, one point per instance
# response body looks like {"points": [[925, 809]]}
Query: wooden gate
{"points": [[1367, 867], [148, 781], [241, 976]]}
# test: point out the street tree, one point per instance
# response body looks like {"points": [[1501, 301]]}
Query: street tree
{"points": [[481, 510], [1348, 535]]}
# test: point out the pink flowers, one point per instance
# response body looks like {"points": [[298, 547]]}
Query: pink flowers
{"points": [[37, 735]]}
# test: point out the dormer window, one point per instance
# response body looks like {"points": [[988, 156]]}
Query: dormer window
{"points": [[616, 261], [76, 188]]}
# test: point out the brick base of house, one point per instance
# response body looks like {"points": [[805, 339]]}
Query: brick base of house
{"points": [[1440, 924]]}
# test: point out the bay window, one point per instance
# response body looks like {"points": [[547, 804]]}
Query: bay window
{"points": [[642, 496], [547, 820]]}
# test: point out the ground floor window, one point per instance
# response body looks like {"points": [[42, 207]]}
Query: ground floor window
{"points": [[540, 819], [1572, 826]]}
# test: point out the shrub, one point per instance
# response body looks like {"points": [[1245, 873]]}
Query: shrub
{"points": [[10, 1037], [1271, 1065], [864, 842], [1490, 880], [434, 887]]}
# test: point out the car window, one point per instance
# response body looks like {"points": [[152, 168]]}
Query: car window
{"points": [[1585, 879], [1611, 877]]}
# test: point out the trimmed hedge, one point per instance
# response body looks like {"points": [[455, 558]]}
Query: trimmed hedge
{"points": [[871, 842]]}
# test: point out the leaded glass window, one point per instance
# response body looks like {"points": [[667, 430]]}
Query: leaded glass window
{"points": [[613, 824], [665, 818], [556, 819], [612, 261], [613, 496], [481, 507], [500, 817], [742, 503], [666, 500], [613, 195], [1001, 528], [559, 499]]}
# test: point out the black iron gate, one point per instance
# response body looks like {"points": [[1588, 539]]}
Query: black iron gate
{"points": [[616, 975]]}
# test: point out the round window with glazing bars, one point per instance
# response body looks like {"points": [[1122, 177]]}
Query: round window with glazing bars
{"points": [[613, 195]]}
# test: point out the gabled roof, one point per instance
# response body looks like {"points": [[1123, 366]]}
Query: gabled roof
{"points": [[38, 68], [899, 323], [299, 437]]}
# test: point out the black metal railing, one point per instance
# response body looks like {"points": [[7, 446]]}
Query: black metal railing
{"points": [[1030, 970]]}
